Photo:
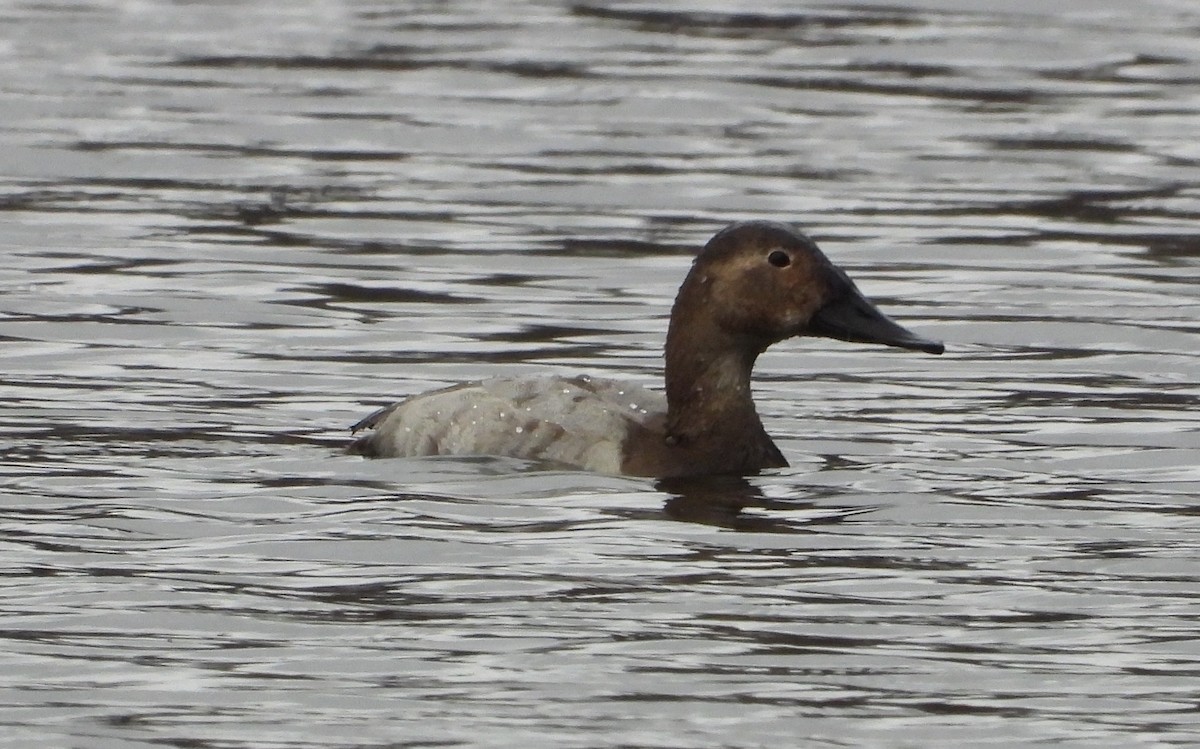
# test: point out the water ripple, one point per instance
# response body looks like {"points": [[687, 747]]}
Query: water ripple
{"points": [[232, 231]]}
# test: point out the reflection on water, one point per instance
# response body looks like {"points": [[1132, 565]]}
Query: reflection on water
{"points": [[232, 230]]}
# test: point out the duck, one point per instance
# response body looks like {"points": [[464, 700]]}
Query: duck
{"points": [[754, 284]]}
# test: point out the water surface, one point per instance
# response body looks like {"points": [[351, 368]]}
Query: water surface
{"points": [[231, 230]]}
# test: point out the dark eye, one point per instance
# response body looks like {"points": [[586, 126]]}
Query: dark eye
{"points": [[779, 259]]}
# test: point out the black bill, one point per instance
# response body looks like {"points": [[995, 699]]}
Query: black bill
{"points": [[849, 316]]}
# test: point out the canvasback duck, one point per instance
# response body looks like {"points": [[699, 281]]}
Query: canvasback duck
{"points": [[754, 284]]}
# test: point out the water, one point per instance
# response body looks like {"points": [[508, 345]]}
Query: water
{"points": [[231, 230]]}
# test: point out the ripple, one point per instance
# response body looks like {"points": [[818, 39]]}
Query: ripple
{"points": [[232, 232]]}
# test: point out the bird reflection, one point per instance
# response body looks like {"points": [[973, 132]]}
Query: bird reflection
{"points": [[730, 502]]}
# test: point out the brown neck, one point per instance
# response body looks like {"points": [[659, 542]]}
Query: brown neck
{"points": [[710, 407]]}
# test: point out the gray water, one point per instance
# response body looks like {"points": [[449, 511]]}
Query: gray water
{"points": [[230, 230]]}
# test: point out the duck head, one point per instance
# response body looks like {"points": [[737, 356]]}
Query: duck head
{"points": [[756, 283]]}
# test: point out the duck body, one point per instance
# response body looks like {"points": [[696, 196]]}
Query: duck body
{"points": [[576, 421], [754, 284]]}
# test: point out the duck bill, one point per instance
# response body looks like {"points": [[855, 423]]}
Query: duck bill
{"points": [[851, 317]]}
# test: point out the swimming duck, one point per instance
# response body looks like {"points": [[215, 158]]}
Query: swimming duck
{"points": [[754, 284]]}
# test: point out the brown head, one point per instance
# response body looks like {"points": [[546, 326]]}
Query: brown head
{"points": [[754, 284], [758, 282]]}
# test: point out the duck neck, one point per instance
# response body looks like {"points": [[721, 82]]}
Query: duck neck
{"points": [[710, 407]]}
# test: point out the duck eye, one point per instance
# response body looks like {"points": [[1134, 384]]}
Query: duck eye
{"points": [[779, 259]]}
